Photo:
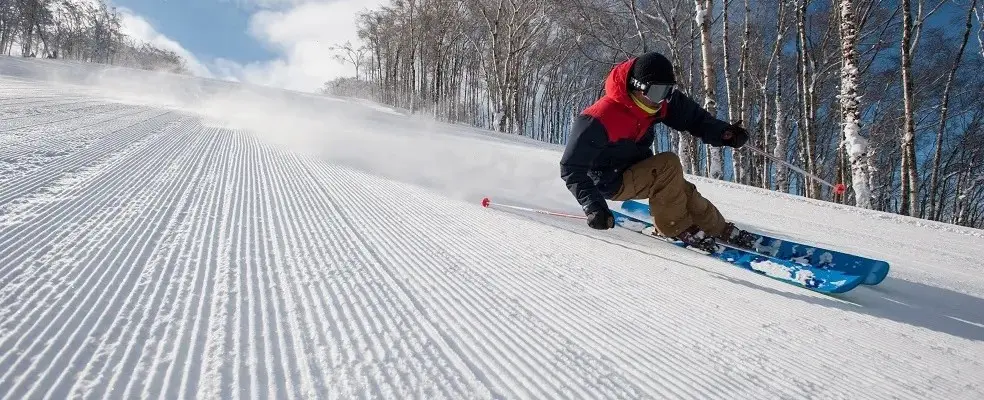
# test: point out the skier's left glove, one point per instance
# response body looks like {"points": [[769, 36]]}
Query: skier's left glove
{"points": [[601, 219], [734, 135]]}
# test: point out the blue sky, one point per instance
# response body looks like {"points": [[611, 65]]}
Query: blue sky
{"points": [[207, 28], [283, 43]]}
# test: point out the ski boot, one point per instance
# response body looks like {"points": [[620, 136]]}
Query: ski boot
{"points": [[734, 236], [696, 238]]}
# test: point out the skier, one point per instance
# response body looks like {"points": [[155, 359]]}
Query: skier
{"points": [[609, 156]]}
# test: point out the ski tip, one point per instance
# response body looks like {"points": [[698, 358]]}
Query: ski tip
{"points": [[486, 202]]}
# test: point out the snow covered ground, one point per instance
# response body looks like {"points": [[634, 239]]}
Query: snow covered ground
{"points": [[169, 237]]}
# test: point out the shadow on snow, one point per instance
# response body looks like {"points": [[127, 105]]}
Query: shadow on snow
{"points": [[919, 305]]}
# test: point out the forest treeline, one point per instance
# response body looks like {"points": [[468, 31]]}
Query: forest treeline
{"points": [[885, 96], [82, 30]]}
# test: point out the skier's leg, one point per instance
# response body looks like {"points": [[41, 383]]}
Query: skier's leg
{"points": [[660, 180], [710, 220], [704, 213]]}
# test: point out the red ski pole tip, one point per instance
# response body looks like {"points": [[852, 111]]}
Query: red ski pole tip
{"points": [[485, 202], [840, 188]]}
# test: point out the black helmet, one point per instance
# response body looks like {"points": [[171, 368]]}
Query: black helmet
{"points": [[651, 73]]}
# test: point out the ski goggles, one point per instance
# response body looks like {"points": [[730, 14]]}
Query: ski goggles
{"points": [[659, 91], [655, 91]]}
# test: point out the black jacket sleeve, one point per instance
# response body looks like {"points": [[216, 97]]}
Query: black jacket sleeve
{"points": [[587, 140], [686, 115]]}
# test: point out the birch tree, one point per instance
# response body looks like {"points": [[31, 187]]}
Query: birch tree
{"points": [[856, 145], [738, 161], [945, 107], [703, 18], [511, 26], [780, 132], [908, 130], [806, 87], [729, 93], [980, 27], [911, 29]]}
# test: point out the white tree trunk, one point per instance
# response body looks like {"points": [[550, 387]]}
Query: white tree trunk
{"points": [[703, 18], [728, 91], [683, 151], [856, 146], [782, 174], [738, 159], [806, 84], [980, 27], [909, 130], [944, 109]]}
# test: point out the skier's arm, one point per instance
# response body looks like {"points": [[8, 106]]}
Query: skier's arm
{"points": [[686, 115], [587, 140]]}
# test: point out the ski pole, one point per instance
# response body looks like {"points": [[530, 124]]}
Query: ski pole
{"points": [[488, 203], [839, 188]]}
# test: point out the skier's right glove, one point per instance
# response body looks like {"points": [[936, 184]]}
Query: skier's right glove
{"points": [[601, 219]]}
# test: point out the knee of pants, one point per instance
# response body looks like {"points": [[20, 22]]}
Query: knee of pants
{"points": [[668, 156], [667, 162]]}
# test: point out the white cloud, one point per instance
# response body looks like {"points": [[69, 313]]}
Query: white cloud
{"points": [[303, 33], [271, 3], [140, 29]]}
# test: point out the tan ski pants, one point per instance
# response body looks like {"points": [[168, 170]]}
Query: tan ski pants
{"points": [[674, 203]]}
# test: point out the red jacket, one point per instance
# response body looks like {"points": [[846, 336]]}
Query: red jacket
{"points": [[614, 133]]}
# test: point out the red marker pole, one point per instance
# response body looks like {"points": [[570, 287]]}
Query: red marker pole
{"points": [[488, 203]]}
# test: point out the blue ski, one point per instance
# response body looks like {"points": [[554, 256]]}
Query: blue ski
{"points": [[827, 259], [803, 275]]}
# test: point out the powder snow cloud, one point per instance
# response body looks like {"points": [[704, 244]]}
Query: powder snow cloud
{"points": [[140, 29]]}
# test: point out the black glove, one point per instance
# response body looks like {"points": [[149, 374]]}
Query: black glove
{"points": [[735, 135], [601, 219]]}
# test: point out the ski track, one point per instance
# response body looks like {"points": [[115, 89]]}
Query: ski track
{"points": [[145, 254]]}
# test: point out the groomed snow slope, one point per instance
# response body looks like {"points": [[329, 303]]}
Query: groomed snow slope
{"points": [[245, 242]]}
